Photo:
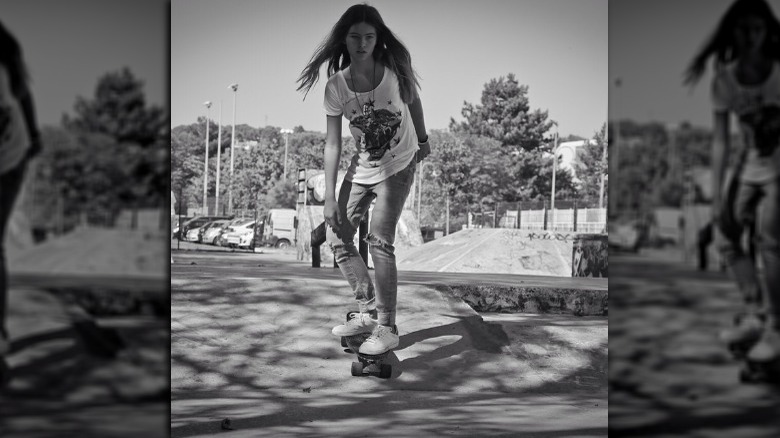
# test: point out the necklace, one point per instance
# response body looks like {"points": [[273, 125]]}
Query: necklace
{"points": [[354, 90]]}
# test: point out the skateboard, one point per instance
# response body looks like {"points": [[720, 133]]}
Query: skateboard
{"points": [[755, 372], [739, 349], [367, 364], [751, 371]]}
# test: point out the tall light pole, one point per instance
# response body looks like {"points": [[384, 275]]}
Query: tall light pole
{"points": [[233, 87], [206, 162], [552, 195], [604, 166], [286, 133], [219, 156], [613, 181]]}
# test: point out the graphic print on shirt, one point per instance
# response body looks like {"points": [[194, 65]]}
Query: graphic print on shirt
{"points": [[376, 129], [765, 124]]}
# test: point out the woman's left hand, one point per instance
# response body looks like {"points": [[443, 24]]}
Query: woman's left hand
{"points": [[425, 150]]}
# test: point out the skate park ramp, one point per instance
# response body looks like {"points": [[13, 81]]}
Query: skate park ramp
{"points": [[94, 257], [504, 251]]}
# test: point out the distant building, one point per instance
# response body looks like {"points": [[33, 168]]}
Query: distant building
{"points": [[568, 152]]}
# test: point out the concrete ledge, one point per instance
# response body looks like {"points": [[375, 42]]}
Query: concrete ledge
{"points": [[531, 299]]}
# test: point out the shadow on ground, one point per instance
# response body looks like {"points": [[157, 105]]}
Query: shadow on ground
{"points": [[259, 350], [668, 373]]}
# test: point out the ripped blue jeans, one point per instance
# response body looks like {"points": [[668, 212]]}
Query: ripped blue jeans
{"points": [[354, 201], [755, 205]]}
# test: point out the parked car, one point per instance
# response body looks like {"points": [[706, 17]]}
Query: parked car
{"points": [[219, 240], [212, 233], [246, 240], [198, 222], [233, 234], [192, 234], [175, 233], [624, 236], [202, 230]]}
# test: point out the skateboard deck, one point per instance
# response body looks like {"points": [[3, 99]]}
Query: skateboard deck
{"points": [[754, 372], [367, 364], [750, 371]]}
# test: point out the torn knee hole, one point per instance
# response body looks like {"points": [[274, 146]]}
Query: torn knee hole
{"points": [[372, 239]]}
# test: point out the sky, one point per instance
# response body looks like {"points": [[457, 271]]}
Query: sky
{"points": [[651, 44], [68, 45], [558, 48]]}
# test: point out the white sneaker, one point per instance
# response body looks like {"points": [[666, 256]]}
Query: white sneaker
{"points": [[381, 340], [359, 323], [768, 347]]}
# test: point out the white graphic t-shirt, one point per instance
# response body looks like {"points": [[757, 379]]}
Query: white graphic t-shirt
{"points": [[380, 122], [14, 140], [757, 107]]}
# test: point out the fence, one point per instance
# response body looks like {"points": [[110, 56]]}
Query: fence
{"points": [[537, 216], [572, 219], [581, 220]]}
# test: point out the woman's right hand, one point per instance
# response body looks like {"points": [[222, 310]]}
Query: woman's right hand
{"points": [[332, 216]]}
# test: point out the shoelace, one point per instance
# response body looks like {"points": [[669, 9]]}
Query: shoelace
{"points": [[379, 332]]}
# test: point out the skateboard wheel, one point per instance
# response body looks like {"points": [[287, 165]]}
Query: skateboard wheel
{"points": [[385, 370], [747, 375], [357, 369], [344, 342]]}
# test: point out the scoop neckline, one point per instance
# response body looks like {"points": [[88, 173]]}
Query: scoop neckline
{"points": [[384, 75], [769, 77]]}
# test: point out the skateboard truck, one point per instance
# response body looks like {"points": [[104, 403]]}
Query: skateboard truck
{"points": [[367, 364]]}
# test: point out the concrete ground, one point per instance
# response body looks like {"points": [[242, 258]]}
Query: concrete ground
{"points": [[251, 341], [59, 389], [59, 386], [668, 373]]}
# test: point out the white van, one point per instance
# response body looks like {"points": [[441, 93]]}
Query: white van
{"points": [[279, 227]]}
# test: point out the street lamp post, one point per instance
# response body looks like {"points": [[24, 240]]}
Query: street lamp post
{"points": [[604, 168], [612, 187], [286, 133], [233, 87], [552, 195], [219, 156], [206, 163]]}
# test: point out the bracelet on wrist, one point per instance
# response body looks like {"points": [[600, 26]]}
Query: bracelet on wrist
{"points": [[423, 141]]}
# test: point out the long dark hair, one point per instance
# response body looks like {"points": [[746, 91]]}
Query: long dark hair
{"points": [[721, 44], [388, 49], [11, 59]]}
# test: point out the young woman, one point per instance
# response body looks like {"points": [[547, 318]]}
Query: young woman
{"points": [[19, 140], [746, 52], [371, 82]]}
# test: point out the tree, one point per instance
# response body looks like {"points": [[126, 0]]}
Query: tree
{"points": [[522, 135], [505, 115], [118, 109], [591, 166], [138, 134], [281, 194]]}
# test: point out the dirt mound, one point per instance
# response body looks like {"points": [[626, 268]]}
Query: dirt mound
{"points": [[505, 251]]}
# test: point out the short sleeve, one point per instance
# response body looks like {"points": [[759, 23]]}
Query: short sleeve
{"points": [[332, 104], [720, 92]]}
